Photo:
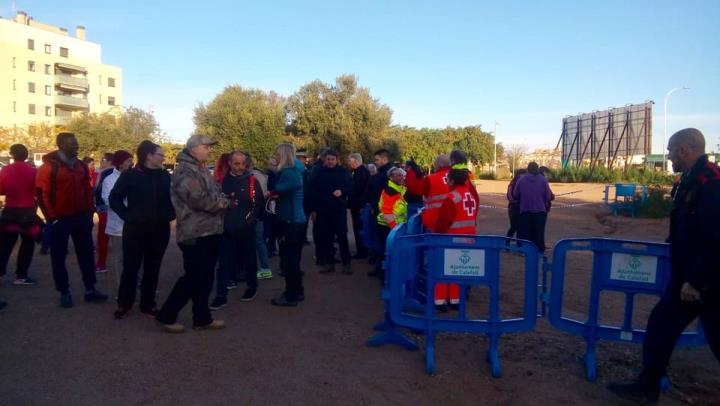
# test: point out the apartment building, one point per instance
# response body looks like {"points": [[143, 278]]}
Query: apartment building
{"points": [[47, 75]]}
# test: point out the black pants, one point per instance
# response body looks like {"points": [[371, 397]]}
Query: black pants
{"points": [[668, 320], [199, 259], [331, 226], [271, 232], [237, 249], [360, 248], [514, 217], [381, 235], [24, 255], [143, 244], [531, 227], [80, 229], [291, 244]]}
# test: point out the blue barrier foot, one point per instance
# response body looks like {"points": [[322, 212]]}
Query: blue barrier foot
{"points": [[430, 360], [391, 337], [665, 384], [385, 325]]}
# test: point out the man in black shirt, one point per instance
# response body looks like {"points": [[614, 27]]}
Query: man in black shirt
{"points": [[356, 201]]}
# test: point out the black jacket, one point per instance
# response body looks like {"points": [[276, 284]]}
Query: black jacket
{"points": [[695, 229], [376, 184], [360, 178], [148, 196], [323, 183], [246, 205]]}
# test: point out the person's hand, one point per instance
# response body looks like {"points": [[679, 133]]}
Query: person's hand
{"points": [[689, 294], [389, 218], [223, 203], [313, 216], [337, 193]]}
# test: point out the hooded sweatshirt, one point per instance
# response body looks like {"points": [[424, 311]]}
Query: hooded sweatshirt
{"points": [[533, 193]]}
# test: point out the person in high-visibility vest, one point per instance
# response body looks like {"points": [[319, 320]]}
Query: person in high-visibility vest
{"points": [[456, 215], [392, 210], [433, 188]]}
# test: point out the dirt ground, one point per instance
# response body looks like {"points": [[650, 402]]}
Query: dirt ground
{"points": [[316, 353]]}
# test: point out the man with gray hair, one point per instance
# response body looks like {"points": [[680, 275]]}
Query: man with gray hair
{"points": [[356, 201], [200, 207], [694, 288]]}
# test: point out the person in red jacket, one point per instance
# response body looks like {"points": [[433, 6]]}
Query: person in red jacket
{"points": [[19, 217], [65, 198], [433, 188], [456, 215]]}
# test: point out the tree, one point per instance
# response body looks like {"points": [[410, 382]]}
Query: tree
{"points": [[107, 132], [37, 137], [343, 116], [514, 154], [250, 120]]}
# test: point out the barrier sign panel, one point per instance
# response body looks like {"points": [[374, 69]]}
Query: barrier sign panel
{"points": [[634, 268], [459, 262]]}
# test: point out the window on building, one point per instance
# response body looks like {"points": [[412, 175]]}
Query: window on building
{"points": [[31, 66], [100, 99], [111, 101], [48, 49], [14, 86], [64, 52], [14, 107], [111, 82], [13, 62], [100, 80], [47, 69], [48, 111], [31, 108], [31, 87], [31, 43], [48, 90]]}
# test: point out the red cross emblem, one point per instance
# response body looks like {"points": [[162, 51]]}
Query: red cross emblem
{"points": [[469, 204]]}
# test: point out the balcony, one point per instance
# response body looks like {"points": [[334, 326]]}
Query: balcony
{"points": [[62, 117], [67, 67], [72, 83], [71, 103]]}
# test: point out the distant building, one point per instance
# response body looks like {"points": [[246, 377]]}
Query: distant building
{"points": [[544, 157], [48, 76]]}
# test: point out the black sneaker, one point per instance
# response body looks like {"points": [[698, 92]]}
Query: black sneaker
{"points": [[95, 296], [232, 285], [121, 313], [636, 391], [66, 300], [249, 295], [218, 303], [282, 301]]}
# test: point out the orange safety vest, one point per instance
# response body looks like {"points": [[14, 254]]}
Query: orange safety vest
{"points": [[433, 199]]}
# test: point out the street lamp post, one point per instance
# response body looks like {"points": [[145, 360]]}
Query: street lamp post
{"points": [[495, 149], [667, 96]]}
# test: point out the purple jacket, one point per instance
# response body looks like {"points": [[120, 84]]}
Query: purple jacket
{"points": [[533, 193]]}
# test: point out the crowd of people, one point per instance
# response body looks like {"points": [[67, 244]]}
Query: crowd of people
{"points": [[231, 220]]}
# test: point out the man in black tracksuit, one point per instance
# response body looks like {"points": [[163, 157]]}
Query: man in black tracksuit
{"points": [[237, 246], [694, 289], [356, 201], [141, 198], [375, 186], [331, 185]]}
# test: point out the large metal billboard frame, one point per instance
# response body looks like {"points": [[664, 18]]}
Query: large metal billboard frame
{"points": [[617, 135]]}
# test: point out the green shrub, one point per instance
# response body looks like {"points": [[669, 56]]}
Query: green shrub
{"points": [[580, 174], [658, 203]]}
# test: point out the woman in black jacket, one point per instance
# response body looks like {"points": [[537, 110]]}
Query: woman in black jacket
{"points": [[141, 198]]}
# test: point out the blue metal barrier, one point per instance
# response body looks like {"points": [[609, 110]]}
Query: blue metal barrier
{"points": [[629, 267], [463, 260], [627, 197]]}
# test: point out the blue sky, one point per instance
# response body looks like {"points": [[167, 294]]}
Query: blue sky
{"points": [[524, 64]]}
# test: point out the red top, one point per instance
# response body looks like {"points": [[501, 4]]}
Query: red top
{"points": [[17, 183], [433, 189]]}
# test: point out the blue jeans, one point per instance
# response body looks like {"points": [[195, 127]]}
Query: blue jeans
{"points": [[260, 246]]}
